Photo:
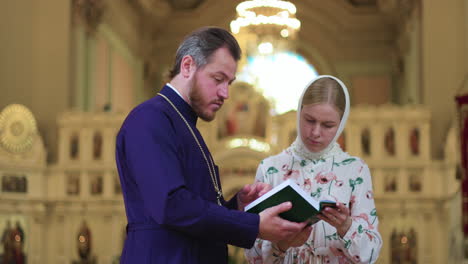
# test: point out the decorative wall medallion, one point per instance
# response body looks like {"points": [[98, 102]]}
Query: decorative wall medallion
{"points": [[17, 128]]}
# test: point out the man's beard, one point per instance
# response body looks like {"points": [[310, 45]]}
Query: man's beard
{"points": [[198, 104]]}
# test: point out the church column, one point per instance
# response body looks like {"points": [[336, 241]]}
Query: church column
{"points": [[57, 253], [37, 248], [84, 185], [378, 183], [443, 63], [425, 141], [87, 16], [85, 158], [384, 256], [63, 144], [109, 145], [402, 181], [377, 140], [86, 144], [401, 140]]}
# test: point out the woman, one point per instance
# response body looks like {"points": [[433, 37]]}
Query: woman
{"points": [[347, 234]]}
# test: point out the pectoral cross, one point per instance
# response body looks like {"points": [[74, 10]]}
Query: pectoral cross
{"points": [[219, 195]]}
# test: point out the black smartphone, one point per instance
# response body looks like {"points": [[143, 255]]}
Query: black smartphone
{"points": [[332, 204]]}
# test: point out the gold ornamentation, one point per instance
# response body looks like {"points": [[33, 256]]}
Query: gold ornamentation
{"points": [[17, 128]]}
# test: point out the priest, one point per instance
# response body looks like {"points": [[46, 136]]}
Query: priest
{"points": [[172, 192]]}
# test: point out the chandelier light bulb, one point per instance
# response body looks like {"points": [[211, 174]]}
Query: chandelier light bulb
{"points": [[265, 48], [275, 13]]}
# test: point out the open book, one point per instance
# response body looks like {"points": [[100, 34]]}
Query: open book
{"points": [[304, 207]]}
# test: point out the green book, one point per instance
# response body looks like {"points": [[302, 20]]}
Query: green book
{"points": [[304, 207]]}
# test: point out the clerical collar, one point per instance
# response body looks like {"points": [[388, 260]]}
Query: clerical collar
{"points": [[173, 88], [181, 104]]}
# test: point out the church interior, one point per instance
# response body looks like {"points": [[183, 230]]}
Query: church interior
{"points": [[71, 70]]}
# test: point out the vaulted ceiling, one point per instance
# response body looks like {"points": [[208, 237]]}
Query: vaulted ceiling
{"points": [[331, 30]]}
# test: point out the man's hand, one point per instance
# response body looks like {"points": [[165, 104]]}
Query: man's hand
{"points": [[250, 192], [274, 228]]}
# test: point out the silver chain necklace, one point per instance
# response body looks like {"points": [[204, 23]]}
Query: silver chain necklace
{"points": [[210, 163]]}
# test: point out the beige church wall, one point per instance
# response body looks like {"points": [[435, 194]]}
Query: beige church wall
{"points": [[38, 58], [371, 89], [443, 62], [16, 53], [35, 60], [364, 76]]}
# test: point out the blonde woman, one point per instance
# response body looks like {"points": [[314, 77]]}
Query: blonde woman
{"points": [[347, 234]]}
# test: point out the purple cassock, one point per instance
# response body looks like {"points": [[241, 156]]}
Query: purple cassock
{"points": [[170, 200]]}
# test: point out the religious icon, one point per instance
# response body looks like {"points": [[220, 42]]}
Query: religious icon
{"points": [[97, 146], [96, 183], [365, 142], [7, 243], [395, 248], [84, 241], [415, 182], [390, 181], [414, 141], [22, 184], [13, 243], [237, 121], [389, 142], [404, 247], [74, 147], [245, 114], [412, 250], [73, 183], [14, 183], [84, 245]]}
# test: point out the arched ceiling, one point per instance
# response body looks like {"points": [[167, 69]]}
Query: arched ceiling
{"points": [[346, 22], [331, 30]]}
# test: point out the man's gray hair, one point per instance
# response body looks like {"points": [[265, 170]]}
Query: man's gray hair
{"points": [[202, 43]]}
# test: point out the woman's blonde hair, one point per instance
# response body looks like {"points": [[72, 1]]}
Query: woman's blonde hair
{"points": [[325, 90]]}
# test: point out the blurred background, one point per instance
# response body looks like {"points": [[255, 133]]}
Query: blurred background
{"points": [[71, 70]]}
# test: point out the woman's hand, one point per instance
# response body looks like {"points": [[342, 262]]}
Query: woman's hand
{"points": [[250, 192], [338, 217], [295, 240]]}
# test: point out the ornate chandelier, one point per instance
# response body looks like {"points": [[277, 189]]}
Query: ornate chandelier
{"points": [[269, 20]]}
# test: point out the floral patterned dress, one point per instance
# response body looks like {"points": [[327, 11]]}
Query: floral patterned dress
{"points": [[339, 177]]}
